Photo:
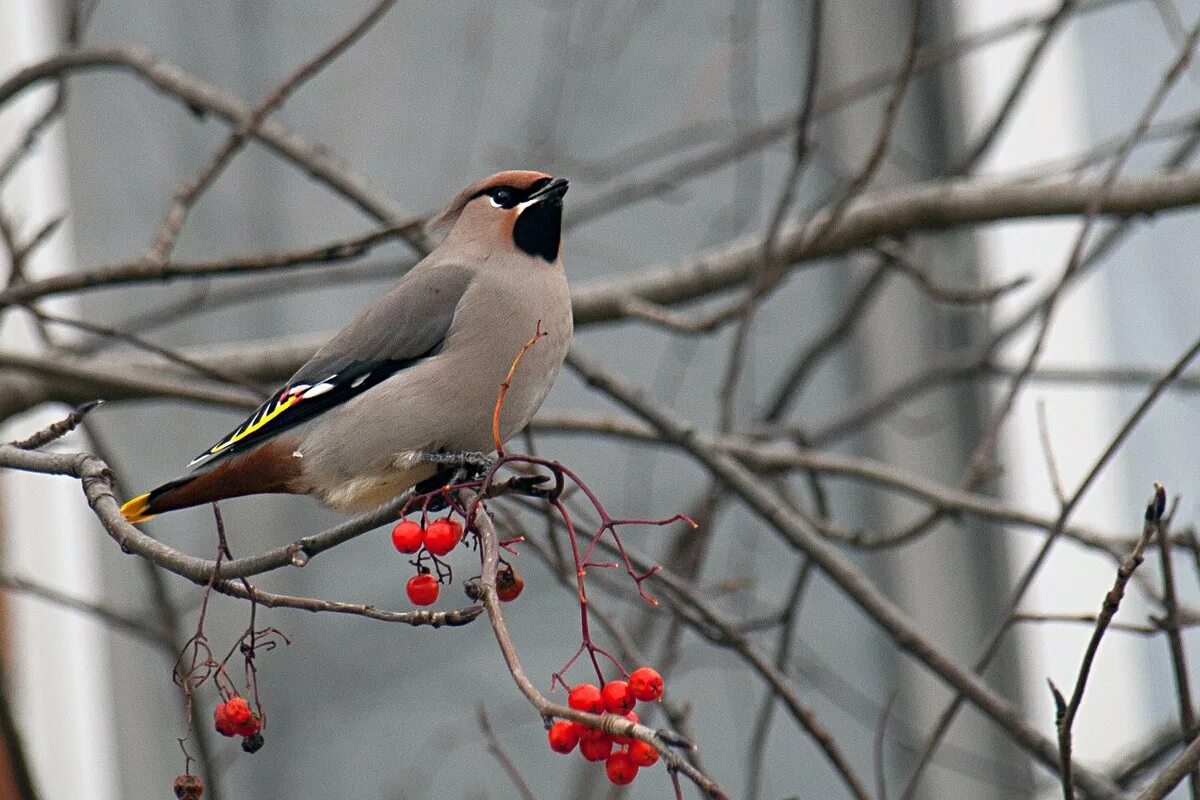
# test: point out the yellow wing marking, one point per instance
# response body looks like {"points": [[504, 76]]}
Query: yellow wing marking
{"points": [[257, 422]]}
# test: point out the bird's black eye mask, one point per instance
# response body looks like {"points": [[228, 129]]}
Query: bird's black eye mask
{"points": [[511, 196], [538, 230]]}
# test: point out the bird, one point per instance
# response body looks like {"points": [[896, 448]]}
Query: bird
{"points": [[418, 371]]}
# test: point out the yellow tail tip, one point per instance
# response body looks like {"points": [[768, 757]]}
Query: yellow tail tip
{"points": [[134, 510]]}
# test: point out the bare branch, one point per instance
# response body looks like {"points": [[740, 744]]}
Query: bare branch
{"points": [[197, 94], [842, 572], [1112, 601], [190, 192]]}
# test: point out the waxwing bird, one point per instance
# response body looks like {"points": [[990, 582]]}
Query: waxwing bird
{"points": [[418, 371]]}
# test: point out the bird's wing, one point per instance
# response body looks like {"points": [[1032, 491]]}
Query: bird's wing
{"points": [[403, 327]]}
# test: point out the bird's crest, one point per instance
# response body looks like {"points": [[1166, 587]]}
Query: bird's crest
{"points": [[516, 178]]}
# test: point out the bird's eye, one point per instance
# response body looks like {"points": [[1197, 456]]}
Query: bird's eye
{"points": [[501, 198]]}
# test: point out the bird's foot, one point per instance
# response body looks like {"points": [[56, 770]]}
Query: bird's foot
{"points": [[473, 463], [457, 467], [533, 485]]}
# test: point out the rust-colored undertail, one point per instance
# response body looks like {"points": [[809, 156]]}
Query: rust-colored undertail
{"points": [[271, 468]]}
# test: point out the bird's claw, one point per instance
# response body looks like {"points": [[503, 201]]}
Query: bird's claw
{"points": [[532, 485], [477, 462]]}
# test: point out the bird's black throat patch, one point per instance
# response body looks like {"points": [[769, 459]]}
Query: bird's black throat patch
{"points": [[538, 229]]}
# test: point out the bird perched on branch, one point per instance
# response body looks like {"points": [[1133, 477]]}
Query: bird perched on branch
{"points": [[417, 372]]}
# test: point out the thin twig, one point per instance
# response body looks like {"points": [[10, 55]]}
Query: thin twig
{"points": [[58, 429], [142, 271], [190, 192], [1170, 776], [1112, 601], [1171, 624], [497, 750], [197, 95], [991, 131], [756, 749]]}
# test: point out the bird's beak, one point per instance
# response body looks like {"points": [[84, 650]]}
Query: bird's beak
{"points": [[554, 190]]}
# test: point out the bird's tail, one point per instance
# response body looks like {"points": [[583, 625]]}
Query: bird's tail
{"points": [[167, 497], [269, 468], [137, 510]]}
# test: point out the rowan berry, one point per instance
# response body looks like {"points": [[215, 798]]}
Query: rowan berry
{"points": [[620, 768], [407, 536], [509, 584], [563, 736], [221, 721], [253, 743], [644, 755], [442, 536], [188, 787], [422, 589], [646, 684], [595, 745], [250, 726], [586, 697], [617, 697], [238, 710]]}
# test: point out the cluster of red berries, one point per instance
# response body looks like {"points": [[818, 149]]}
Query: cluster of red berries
{"points": [[622, 756], [234, 717], [438, 539]]}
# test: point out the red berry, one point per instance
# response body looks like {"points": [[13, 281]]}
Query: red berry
{"points": [[595, 745], [442, 536], [509, 584], [644, 755], [563, 736], [238, 710], [250, 726], [621, 768], [586, 697], [646, 684], [617, 697], [407, 536], [221, 721], [422, 589]]}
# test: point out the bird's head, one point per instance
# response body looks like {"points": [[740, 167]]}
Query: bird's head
{"points": [[519, 209]]}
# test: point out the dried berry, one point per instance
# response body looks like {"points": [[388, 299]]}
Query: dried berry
{"points": [[188, 787], [509, 584]]}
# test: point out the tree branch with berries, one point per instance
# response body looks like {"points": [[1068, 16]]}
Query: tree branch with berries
{"points": [[818, 372]]}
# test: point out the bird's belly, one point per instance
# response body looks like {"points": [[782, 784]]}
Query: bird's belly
{"points": [[365, 492]]}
